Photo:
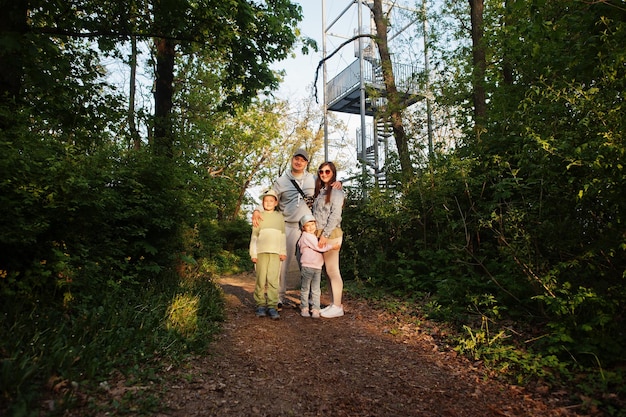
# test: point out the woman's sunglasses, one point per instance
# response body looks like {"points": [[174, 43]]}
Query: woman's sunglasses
{"points": [[325, 171]]}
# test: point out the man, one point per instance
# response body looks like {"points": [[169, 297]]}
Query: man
{"points": [[293, 206]]}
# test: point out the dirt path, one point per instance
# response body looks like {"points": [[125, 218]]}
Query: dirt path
{"points": [[349, 366]]}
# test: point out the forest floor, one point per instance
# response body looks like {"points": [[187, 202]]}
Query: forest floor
{"points": [[367, 363]]}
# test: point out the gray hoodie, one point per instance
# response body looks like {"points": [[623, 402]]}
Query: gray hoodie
{"points": [[290, 201]]}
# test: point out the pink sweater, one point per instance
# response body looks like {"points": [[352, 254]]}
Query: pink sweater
{"points": [[311, 253]]}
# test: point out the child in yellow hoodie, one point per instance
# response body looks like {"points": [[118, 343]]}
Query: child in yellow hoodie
{"points": [[268, 247]]}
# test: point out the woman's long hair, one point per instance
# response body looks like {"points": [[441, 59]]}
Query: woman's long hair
{"points": [[318, 181]]}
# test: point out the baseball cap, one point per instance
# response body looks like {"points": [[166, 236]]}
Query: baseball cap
{"points": [[305, 219], [303, 153], [269, 192]]}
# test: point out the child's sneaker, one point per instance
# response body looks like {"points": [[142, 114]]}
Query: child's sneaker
{"points": [[315, 314], [260, 312], [305, 312], [273, 313]]}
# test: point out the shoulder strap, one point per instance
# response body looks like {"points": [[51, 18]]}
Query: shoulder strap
{"points": [[295, 184]]}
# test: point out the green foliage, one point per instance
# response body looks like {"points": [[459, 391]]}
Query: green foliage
{"points": [[221, 245], [508, 360], [108, 231], [523, 222], [107, 254], [583, 323], [87, 290]]}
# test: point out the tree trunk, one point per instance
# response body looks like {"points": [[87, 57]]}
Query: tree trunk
{"points": [[132, 126], [13, 24], [394, 101], [479, 61], [246, 185], [164, 91], [507, 66]]}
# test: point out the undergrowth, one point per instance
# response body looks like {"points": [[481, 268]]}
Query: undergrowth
{"points": [[58, 358], [51, 361], [503, 350]]}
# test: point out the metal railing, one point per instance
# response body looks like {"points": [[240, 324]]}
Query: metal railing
{"points": [[349, 79]]}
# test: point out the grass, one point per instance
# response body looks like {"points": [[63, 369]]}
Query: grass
{"points": [[126, 333]]}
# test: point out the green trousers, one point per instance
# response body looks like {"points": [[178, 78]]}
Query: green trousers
{"points": [[267, 276]]}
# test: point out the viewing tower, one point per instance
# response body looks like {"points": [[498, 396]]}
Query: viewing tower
{"points": [[359, 88]]}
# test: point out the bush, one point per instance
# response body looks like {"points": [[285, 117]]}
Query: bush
{"points": [[92, 288]]}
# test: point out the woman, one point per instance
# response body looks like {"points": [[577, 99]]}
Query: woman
{"points": [[327, 210]]}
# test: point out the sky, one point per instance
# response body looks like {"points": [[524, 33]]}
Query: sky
{"points": [[300, 71]]}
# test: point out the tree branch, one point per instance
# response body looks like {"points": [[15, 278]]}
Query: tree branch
{"points": [[333, 54], [117, 34]]}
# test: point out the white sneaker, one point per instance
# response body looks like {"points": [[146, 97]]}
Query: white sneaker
{"points": [[315, 314], [332, 312], [326, 308], [305, 313]]}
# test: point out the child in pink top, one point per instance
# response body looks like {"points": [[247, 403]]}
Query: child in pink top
{"points": [[311, 263]]}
